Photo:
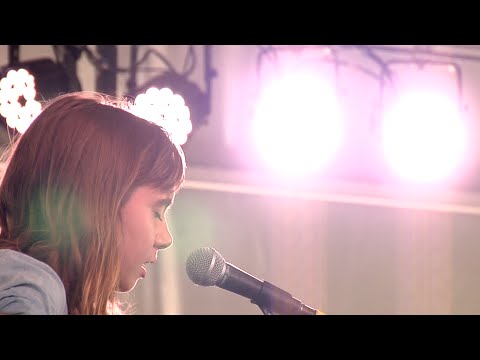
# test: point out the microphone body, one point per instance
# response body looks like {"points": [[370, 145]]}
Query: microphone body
{"points": [[206, 267], [262, 293]]}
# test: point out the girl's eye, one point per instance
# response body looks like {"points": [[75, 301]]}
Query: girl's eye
{"points": [[157, 215]]}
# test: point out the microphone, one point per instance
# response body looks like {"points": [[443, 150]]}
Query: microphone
{"points": [[206, 267]]}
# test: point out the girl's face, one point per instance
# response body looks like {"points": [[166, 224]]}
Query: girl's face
{"points": [[145, 231]]}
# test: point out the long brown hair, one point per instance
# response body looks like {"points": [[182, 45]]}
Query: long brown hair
{"points": [[65, 182]]}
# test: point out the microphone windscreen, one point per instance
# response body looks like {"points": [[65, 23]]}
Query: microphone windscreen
{"points": [[205, 266]]}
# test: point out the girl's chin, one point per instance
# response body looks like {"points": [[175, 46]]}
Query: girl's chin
{"points": [[129, 286]]}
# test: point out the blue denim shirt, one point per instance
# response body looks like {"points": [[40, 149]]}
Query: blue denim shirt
{"points": [[29, 286]]}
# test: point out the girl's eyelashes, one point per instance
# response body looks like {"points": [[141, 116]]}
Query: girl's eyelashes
{"points": [[157, 215]]}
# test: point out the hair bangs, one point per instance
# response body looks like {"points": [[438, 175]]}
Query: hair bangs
{"points": [[163, 166]]}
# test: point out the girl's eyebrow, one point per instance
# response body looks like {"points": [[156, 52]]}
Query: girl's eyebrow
{"points": [[163, 202]]}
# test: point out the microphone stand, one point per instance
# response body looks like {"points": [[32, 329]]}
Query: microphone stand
{"points": [[264, 309]]}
